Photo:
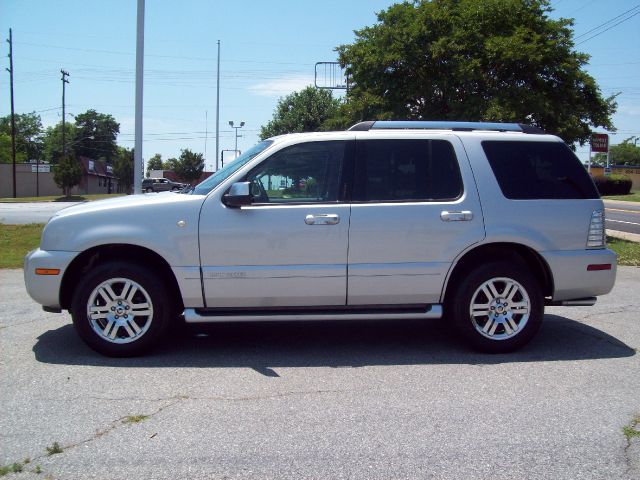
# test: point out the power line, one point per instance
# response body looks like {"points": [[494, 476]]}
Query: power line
{"points": [[180, 57], [604, 23], [636, 11]]}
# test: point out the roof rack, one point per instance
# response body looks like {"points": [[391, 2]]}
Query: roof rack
{"points": [[444, 125]]}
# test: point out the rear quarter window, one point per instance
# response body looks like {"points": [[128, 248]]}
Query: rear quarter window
{"points": [[538, 170]]}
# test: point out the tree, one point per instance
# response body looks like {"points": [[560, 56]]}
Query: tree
{"points": [[5, 150], [28, 135], [67, 173], [123, 168], [189, 166], [154, 163], [52, 141], [304, 111], [96, 136], [625, 153], [170, 164], [496, 60]]}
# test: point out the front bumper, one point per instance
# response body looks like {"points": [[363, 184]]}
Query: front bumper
{"points": [[45, 289], [572, 279]]}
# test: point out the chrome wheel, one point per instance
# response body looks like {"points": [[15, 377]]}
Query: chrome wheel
{"points": [[119, 310], [500, 308]]}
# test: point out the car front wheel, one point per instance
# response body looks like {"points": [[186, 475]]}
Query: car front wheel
{"points": [[121, 310], [498, 307]]}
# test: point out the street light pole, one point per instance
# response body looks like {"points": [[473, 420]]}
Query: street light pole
{"points": [[137, 149], [232, 125]]}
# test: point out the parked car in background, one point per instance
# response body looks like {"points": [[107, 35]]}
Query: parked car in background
{"points": [[479, 225], [161, 185]]}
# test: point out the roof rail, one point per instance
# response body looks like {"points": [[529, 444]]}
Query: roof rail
{"points": [[444, 125]]}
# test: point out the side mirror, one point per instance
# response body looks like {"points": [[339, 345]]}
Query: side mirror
{"points": [[238, 195]]}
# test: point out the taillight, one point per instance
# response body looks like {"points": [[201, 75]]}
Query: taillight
{"points": [[596, 236]]}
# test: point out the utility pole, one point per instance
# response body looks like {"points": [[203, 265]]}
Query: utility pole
{"points": [[64, 82], [13, 114], [218, 109]]}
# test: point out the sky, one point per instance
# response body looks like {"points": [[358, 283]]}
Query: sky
{"points": [[268, 50]]}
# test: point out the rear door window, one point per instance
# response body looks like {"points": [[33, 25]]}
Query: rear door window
{"points": [[538, 170], [393, 170]]}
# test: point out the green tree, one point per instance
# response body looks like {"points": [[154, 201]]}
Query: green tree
{"points": [[170, 164], [29, 135], [5, 150], [625, 153], [96, 136], [123, 168], [154, 163], [189, 165], [67, 173], [52, 141], [303, 111], [495, 60]]}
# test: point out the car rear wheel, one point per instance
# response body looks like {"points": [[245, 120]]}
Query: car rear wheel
{"points": [[121, 310], [498, 307]]}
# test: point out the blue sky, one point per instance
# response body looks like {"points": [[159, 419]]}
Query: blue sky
{"points": [[268, 50]]}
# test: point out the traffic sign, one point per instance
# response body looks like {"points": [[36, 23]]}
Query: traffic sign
{"points": [[600, 142]]}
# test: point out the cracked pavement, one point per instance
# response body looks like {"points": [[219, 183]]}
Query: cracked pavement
{"points": [[336, 400]]}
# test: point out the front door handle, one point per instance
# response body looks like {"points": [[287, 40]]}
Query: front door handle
{"points": [[463, 216], [322, 219]]}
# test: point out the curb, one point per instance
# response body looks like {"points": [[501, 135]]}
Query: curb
{"points": [[630, 237], [624, 202]]}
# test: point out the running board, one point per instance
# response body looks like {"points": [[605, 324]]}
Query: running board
{"points": [[576, 302], [201, 315]]}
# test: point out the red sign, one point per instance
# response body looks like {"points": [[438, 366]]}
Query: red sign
{"points": [[599, 142]]}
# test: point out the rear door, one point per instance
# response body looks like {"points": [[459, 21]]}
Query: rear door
{"points": [[415, 208]]}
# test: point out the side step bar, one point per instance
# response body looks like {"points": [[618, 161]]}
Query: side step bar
{"points": [[576, 302], [200, 315]]}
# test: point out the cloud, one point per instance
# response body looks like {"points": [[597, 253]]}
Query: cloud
{"points": [[282, 86]]}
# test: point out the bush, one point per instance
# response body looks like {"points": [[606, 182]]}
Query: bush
{"points": [[613, 184]]}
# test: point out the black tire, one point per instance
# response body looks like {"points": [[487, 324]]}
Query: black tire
{"points": [[147, 323], [495, 332]]}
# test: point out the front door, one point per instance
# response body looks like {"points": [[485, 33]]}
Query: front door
{"points": [[287, 249]]}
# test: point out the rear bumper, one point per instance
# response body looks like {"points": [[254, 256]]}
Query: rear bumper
{"points": [[571, 277], [45, 289]]}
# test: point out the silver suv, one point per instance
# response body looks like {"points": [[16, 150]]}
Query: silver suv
{"points": [[480, 224]]}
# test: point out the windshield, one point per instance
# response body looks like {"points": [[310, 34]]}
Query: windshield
{"points": [[229, 169]]}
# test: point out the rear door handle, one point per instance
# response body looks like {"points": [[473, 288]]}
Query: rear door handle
{"points": [[322, 219], [460, 216]]}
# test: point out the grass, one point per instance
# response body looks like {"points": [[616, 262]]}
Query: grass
{"points": [[53, 449], [632, 197], [135, 418], [16, 241], [628, 252], [54, 198], [630, 431], [14, 468]]}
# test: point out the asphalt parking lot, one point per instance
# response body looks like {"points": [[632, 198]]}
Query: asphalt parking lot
{"points": [[338, 400]]}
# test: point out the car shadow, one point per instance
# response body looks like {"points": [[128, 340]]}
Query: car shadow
{"points": [[264, 346]]}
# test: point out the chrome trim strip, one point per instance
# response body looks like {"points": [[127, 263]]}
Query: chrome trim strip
{"points": [[191, 316]]}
